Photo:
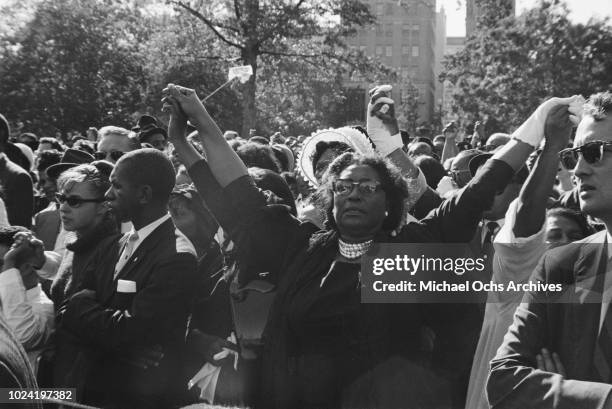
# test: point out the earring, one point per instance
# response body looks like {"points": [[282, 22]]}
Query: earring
{"points": [[386, 213]]}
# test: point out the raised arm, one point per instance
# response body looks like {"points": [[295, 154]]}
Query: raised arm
{"points": [[383, 130], [224, 163], [536, 190]]}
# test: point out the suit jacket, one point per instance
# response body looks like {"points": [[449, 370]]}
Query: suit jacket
{"points": [[113, 325], [18, 192], [47, 225], [565, 322]]}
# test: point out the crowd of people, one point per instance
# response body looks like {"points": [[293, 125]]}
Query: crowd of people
{"points": [[170, 265]]}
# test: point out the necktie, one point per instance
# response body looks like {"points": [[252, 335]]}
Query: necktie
{"points": [[128, 248], [491, 230]]}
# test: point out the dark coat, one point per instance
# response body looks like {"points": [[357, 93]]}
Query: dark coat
{"points": [[108, 328], [18, 192], [269, 239], [565, 322], [70, 278]]}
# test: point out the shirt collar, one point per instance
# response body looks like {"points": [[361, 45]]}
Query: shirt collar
{"points": [[145, 231]]}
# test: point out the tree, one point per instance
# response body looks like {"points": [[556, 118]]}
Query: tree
{"points": [[74, 65], [310, 31], [509, 67]]}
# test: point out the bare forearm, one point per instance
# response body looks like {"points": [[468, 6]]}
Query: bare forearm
{"points": [[222, 159], [533, 197], [450, 149]]}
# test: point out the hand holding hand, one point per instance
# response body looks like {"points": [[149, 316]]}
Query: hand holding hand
{"points": [[177, 126], [558, 127], [532, 130], [187, 100], [22, 250]]}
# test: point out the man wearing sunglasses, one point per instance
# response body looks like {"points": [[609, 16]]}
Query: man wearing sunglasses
{"points": [[571, 329], [114, 142]]}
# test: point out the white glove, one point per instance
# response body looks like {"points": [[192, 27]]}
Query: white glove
{"points": [[532, 130], [377, 130]]}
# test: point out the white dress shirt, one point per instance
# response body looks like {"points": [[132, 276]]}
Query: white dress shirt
{"points": [[29, 313]]}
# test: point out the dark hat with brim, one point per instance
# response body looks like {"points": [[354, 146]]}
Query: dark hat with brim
{"points": [[70, 159], [145, 121], [151, 130]]}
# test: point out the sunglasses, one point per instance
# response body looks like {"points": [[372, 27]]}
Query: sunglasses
{"points": [[75, 201], [592, 152], [344, 187], [114, 155]]}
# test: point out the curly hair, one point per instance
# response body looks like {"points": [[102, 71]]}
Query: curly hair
{"points": [[99, 182], [599, 105], [392, 183], [338, 147]]}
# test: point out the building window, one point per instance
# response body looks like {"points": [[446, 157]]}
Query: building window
{"points": [[389, 32], [379, 9], [388, 51], [379, 50], [389, 9], [416, 27], [415, 51], [406, 27], [406, 49]]}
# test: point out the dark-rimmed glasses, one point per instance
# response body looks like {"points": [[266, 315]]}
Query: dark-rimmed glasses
{"points": [[75, 201], [592, 152], [344, 187]]}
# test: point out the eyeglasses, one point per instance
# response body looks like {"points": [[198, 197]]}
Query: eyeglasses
{"points": [[592, 152], [114, 155], [344, 187], [74, 201]]}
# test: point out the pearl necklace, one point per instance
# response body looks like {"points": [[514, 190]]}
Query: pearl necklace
{"points": [[351, 251]]}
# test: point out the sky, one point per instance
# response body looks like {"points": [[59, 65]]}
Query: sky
{"points": [[581, 11]]}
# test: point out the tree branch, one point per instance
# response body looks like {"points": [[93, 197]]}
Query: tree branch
{"points": [[208, 22], [280, 23]]}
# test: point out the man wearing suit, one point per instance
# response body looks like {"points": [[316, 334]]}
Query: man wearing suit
{"points": [[557, 352], [137, 296], [16, 183]]}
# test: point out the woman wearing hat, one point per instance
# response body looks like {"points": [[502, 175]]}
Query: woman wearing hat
{"points": [[322, 346]]}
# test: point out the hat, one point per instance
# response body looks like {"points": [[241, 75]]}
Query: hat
{"points": [[350, 136], [147, 125], [70, 159]]}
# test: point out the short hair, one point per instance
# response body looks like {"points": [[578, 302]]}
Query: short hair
{"points": [[336, 146], [268, 180], [432, 169], [98, 180], [117, 130], [7, 234], [150, 167], [599, 105], [55, 144], [258, 155], [392, 183], [573, 215], [48, 158]]}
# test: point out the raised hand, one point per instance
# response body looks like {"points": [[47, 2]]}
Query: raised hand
{"points": [[382, 124], [558, 127], [187, 100]]}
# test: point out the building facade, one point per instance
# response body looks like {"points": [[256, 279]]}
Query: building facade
{"points": [[404, 38]]}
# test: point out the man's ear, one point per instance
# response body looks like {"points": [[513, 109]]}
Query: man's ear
{"points": [[146, 194]]}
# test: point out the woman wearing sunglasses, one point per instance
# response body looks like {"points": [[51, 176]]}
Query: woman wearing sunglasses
{"points": [[322, 346], [83, 212]]}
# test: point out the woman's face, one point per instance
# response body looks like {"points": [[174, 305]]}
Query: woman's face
{"points": [[359, 215], [83, 216], [560, 230]]}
